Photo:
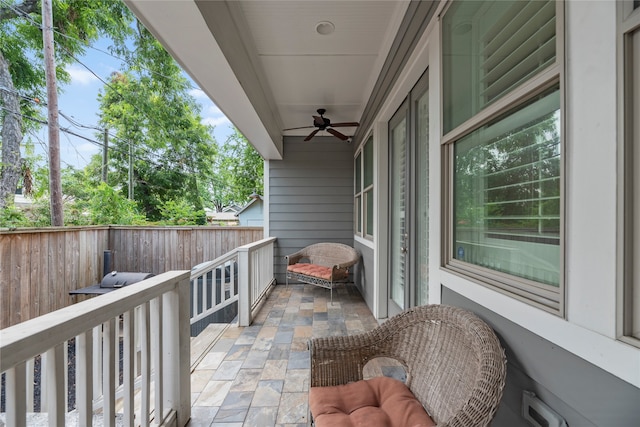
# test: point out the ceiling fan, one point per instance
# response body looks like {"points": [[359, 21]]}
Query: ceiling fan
{"points": [[322, 123]]}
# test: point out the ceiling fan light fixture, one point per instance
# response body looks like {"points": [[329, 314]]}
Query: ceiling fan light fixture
{"points": [[325, 28]]}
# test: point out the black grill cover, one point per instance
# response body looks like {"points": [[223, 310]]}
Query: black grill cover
{"points": [[113, 281], [118, 279]]}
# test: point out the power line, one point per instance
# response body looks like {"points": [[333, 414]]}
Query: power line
{"points": [[70, 132], [77, 124], [126, 61], [118, 93]]}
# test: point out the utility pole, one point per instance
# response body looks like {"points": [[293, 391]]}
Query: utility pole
{"points": [[55, 182], [105, 155], [130, 170]]}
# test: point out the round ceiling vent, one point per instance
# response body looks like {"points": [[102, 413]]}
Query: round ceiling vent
{"points": [[325, 28]]}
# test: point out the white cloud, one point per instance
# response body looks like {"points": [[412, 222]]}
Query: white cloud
{"points": [[216, 120], [87, 148], [198, 94], [81, 75], [213, 110]]}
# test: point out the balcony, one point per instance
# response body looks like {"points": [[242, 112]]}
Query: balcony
{"points": [[254, 372]]}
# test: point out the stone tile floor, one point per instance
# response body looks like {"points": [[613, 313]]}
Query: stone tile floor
{"points": [[259, 375]]}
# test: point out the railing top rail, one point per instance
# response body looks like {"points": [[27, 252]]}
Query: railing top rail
{"points": [[258, 244], [32, 337], [211, 265], [19, 230]]}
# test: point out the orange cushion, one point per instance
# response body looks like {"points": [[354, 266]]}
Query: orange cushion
{"points": [[378, 402], [311, 270]]}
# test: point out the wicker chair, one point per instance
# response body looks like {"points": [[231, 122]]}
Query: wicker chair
{"points": [[454, 362], [326, 264]]}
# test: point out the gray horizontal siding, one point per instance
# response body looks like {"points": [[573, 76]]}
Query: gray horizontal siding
{"points": [[308, 182], [363, 274], [280, 208], [303, 190], [582, 393], [310, 196]]}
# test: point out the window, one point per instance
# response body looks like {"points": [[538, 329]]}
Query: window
{"points": [[363, 201], [489, 49], [507, 193], [357, 208], [631, 167], [502, 124]]}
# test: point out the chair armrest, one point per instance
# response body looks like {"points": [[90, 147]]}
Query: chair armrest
{"points": [[294, 257], [339, 360], [344, 265], [349, 262]]}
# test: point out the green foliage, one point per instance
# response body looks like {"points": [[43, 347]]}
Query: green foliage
{"points": [[180, 212], [77, 23], [147, 106], [156, 119], [11, 217], [107, 206], [240, 173]]}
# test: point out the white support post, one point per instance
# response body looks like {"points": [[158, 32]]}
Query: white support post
{"points": [[84, 378], [65, 357], [244, 287], [145, 364], [184, 350], [177, 360], [55, 385], [44, 386], [29, 382], [16, 396], [194, 295], [157, 348], [128, 354], [108, 375], [97, 362]]}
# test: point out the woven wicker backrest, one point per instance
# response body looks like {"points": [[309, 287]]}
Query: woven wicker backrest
{"points": [[330, 254], [455, 363]]}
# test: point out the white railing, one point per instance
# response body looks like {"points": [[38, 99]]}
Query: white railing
{"points": [[255, 274], [244, 275], [214, 286], [135, 385]]}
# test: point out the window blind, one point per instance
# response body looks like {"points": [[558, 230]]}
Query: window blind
{"points": [[521, 42]]}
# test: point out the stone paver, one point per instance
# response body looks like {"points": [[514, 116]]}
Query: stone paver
{"points": [[259, 375]]}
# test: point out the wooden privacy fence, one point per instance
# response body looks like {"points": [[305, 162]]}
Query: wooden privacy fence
{"points": [[38, 267]]}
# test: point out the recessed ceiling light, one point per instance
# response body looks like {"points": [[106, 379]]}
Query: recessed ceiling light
{"points": [[325, 28]]}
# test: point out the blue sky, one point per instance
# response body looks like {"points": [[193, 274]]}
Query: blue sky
{"points": [[78, 100]]}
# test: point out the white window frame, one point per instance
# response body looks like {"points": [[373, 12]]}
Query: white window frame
{"points": [[538, 295], [362, 193], [628, 222]]}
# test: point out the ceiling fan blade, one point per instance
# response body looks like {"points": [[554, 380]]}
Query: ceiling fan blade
{"points": [[303, 127], [345, 124], [312, 134], [318, 121], [337, 134]]}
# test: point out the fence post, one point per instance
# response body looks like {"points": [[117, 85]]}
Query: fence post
{"points": [[244, 287]]}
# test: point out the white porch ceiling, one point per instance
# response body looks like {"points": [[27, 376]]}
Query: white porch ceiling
{"points": [[265, 66]]}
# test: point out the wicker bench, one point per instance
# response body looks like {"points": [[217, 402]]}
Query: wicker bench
{"points": [[454, 362], [321, 264]]}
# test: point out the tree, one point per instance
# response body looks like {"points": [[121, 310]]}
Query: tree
{"points": [[158, 130], [108, 206], [22, 80], [239, 173]]}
